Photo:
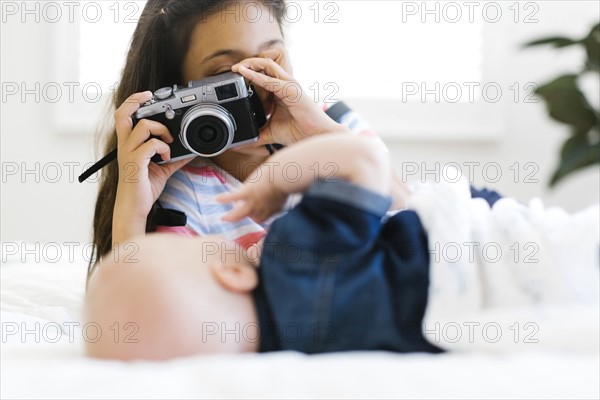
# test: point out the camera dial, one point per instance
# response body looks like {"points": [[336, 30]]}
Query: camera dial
{"points": [[163, 93]]}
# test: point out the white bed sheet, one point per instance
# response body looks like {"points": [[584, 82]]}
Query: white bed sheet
{"points": [[51, 294]]}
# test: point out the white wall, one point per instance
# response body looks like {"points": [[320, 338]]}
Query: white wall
{"points": [[34, 209]]}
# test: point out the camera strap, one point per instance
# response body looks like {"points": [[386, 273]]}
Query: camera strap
{"points": [[98, 165], [337, 111], [169, 217]]}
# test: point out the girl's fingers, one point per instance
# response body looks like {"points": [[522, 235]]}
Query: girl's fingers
{"points": [[266, 65], [287, 91], [173, 167], [131, 138], [142, 132], [267, 82], [140, 159], [280, 56], [153, 147], [123, 122]]}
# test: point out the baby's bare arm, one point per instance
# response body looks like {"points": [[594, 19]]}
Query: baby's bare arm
{"points": [[361, 161]]}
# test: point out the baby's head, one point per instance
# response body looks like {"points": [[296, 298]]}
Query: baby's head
{"points": [[163, 296]]}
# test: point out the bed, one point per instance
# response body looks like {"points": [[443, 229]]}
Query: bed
{"points": [[42, 357]]}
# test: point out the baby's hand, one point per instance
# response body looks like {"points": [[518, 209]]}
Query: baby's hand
{"points": [[258, 201]]}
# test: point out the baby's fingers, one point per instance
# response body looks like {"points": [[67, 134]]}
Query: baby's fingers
{"points": [[231, 196], [239, 211], [241, 208]]}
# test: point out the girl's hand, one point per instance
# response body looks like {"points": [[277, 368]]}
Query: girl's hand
{"points": [[140, 180], [258, 200], [294, 116]]}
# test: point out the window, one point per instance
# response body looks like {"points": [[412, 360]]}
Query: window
{"points": [[90, 53], [366, 48], [413, 69]]}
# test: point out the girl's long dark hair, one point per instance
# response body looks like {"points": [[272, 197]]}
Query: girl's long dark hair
{"points": [[155, 58]]}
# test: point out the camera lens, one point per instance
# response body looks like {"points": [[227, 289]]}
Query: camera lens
{"points": [[207, 135], [207, 130]]}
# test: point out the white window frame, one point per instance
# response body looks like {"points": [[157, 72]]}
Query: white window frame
{"points": [[78, 117]]}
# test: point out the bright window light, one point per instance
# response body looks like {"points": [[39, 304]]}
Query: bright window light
{"points": [[368, 51], [342, 49]]}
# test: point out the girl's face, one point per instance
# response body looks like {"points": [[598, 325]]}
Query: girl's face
{"points": [[239, 31]]}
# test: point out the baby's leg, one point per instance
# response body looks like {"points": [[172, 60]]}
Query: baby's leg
{"points": [[508, 266]]}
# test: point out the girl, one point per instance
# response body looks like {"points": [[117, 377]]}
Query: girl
{"points": [[177, 41]]}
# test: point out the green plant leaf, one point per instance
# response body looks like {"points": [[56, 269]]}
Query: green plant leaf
{"points": [[592, 48], [576, 153], [567, 104], [557, 42]]}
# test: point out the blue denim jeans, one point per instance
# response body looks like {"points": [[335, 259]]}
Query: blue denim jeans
{"points": [[334, 277]]}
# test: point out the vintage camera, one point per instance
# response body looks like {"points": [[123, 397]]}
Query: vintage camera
{"points": [[207, 117]]}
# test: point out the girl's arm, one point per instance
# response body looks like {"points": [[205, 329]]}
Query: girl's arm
{"points": [[140, 180], [361, 161]]}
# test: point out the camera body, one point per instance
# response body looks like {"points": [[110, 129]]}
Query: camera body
{"points": [[207, 117]]}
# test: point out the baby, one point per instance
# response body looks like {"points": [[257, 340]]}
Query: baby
{"points": [[336, 273]]}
